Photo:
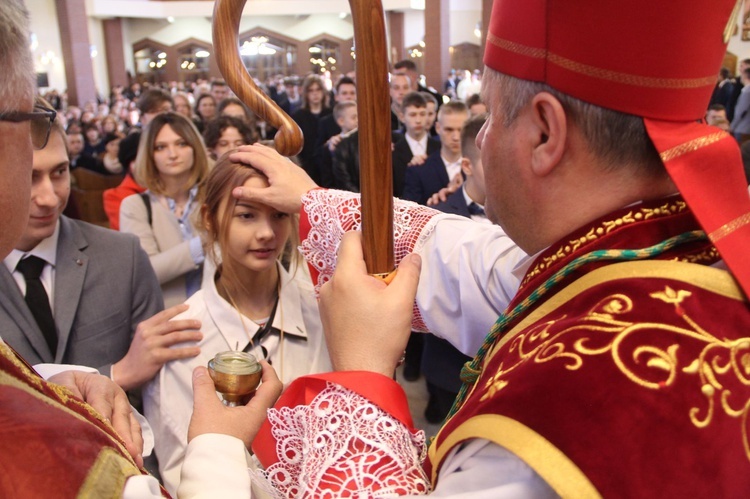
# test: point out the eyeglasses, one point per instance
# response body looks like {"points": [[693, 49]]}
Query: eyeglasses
{"points": [[41, 123]]}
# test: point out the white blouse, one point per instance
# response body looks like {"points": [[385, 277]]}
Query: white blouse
{"points": [[168, 399]]}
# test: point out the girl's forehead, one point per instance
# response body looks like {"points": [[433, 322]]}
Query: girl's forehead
{"points": [[256, 181]]}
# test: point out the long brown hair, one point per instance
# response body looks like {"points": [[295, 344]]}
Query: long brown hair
{"points": [[217, 206], [309, 81], [145, 170]]}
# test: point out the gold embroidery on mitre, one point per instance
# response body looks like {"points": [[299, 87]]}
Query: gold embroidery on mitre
{"points": [[601, 73], [730, 227], [630, 79], [692, 145], [518, 48], [603, 331]]}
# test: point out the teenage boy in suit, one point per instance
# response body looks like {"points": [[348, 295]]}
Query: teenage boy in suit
{"points": [[416, 144], [443, 166], [100, 291]]}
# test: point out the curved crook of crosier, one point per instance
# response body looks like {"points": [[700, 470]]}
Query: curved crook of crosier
{"points": [[226, 26]]}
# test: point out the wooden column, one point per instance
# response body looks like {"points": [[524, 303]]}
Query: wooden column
{"points": [[437, 41], [115, 53], [486, 14], [171, 72], [396, 32], [76, 48]]}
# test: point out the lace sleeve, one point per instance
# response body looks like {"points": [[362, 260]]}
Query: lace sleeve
{"points": [[328, 214], [343, 444]]}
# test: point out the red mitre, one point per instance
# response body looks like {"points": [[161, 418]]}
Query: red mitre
{"points": [[657, 59]]}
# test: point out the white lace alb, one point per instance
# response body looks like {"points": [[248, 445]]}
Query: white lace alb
{"points": [[342, 445], [332, 213]]}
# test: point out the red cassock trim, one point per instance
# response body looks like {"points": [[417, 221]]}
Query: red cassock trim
{"points": [[378, 389], [696, 156]]}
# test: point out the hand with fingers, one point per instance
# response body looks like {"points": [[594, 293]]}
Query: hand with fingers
{"points": [[210, 415], [442, 195], [417, 159], [154, 344], [353, 305], [333, 142], [287, 181], [110, 401]]}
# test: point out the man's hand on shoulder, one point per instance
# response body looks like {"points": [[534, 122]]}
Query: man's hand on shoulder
{"points": [[152, 347], [110, 401]]}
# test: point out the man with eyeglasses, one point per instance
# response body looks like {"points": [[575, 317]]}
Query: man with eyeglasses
{"points": [[76, 434], [54, 444], [77, 316]]}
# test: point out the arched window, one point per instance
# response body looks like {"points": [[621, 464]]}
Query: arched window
{"points": [[193, 60], [150, 61], [325, 55], [266, 54]]}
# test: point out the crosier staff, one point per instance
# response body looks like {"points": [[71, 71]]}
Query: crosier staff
{"points": [[373, 108]]}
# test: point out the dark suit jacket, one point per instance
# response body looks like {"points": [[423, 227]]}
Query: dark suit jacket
{"points": [[346, 163], [308, 123], [734, 97], [327, 128], [455, 203], [441, 361], [424, 180], [104, 287], [402, 156]]}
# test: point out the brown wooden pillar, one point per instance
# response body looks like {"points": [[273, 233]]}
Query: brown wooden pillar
{"points": [[437, 41], [115, 53], [486, 14], [213, 65], [171, 72], [76, 49], [396, 31], [302, 66]]}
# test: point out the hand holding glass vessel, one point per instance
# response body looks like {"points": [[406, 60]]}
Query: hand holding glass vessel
{"points": [[236, 376]]}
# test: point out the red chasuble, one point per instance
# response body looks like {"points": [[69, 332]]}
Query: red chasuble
{"points": [[621, 379], [627, 379], [53, 444]]}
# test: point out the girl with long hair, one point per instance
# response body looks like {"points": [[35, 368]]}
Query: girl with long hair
{"points": [[172, 163], [251, 303]]}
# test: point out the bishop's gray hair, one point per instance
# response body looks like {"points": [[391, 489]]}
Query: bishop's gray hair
{"points": [[617, 138], [17, 80]]}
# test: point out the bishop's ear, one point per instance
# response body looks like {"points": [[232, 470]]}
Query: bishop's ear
{"points": [[550, 129]]}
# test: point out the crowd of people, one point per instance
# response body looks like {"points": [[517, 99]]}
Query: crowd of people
{"points": [[557, 289]]}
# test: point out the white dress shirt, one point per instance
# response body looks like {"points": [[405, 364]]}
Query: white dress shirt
{"points": [[452, 168], [418, 147], [168, 399], [47, 251]]}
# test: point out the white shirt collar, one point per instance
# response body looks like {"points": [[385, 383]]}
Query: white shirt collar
{"points": [[237, 329], [418, 147], [453, 168], [46, 250]]}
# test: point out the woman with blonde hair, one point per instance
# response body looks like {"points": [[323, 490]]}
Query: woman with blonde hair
{"points": [[251, 303], [172, 163]]}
